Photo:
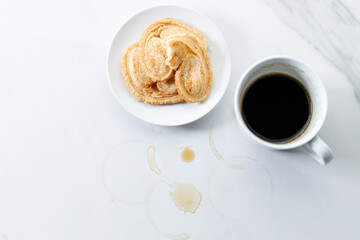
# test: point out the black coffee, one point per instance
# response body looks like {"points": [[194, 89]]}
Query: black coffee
{"points": [[276, 107]]}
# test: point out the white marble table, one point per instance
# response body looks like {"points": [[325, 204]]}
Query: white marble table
{"points": [[59, 123]]}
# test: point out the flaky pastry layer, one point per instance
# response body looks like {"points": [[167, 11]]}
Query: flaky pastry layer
{"points": [[134, 78]]}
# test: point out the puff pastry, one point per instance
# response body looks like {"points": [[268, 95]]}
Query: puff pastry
{"points": [[152, 57], [134, 80], [168, 86], [193, 76], [152, 49], [169, 65]]}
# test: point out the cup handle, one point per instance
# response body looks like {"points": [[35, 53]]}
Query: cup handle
{"points": [[319, 150]]}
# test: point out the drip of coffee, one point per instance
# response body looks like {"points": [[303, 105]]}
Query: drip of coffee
{"points": [[276, 107]]}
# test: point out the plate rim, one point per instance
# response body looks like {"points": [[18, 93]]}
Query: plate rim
{"points": [[226, 53]]}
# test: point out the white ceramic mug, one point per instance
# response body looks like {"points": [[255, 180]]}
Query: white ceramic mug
{"points": [[308, 140]]}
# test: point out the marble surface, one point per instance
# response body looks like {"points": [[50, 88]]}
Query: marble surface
{"points": [[73, 162]]}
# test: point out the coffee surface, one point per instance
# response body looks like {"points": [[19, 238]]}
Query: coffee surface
{"points": [[276, 107]]}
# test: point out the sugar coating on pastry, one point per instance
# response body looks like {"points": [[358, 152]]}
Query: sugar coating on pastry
{"points": [[169, 64], [152, 49], [168, 86], [193, 77], [168, 26], [153, 56], [174, 27], [176, 52], [133, 79]]}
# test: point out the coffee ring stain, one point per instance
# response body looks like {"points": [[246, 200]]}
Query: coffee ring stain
{"points": [[179, 236], [237, 167], [3, 236], [151, 158], [185, 196], [113, 196], [221, 158], [212, 144]]}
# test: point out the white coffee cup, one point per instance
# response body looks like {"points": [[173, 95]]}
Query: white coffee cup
{"points": [[308, 139]]}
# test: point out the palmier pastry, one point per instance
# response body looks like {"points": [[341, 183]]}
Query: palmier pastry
{"points": [[134, 79], [168, 86], [153, 51], [152, 57], [193, 77], [169, 65], [170, 26]]}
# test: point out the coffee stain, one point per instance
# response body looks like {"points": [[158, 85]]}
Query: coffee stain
{"points": [[186, 197], [3, 236], [269, 176], [221, 158], [113, 196], [187, 155], [179, 236], [236, 166], [212, 202], [212, 144], [152, 160], [297, 69], [256, 72]]}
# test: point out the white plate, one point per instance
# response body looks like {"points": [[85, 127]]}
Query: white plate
{"points": [[177, 114]]}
